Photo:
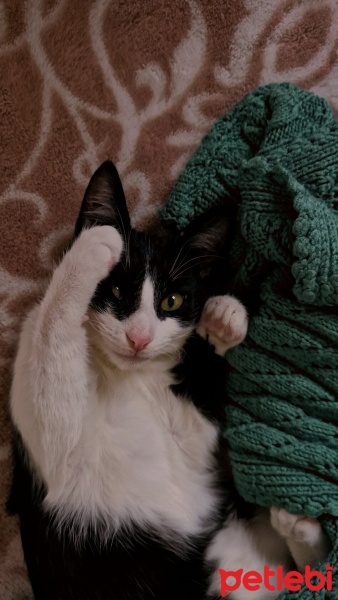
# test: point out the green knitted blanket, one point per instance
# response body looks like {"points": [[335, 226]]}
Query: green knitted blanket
{"points": [[276, 151]]}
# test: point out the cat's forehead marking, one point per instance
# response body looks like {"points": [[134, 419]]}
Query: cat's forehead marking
{"points": [[147, 295]]}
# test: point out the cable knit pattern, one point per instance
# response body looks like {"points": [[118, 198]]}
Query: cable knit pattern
{"points": [[276, 151]]}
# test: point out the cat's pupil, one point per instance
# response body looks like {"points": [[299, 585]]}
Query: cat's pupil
{"points": [[116, 292], [171, 301]]}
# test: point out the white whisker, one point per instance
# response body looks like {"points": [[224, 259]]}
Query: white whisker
{"points": [[177, 257], [199, 260], [183, 263]]}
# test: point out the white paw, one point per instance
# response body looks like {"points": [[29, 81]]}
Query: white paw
{"points": [[299, 528], [224, 323], [97, 250]]}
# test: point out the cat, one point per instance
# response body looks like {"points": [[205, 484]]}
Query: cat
{"points": [[117, 405]]}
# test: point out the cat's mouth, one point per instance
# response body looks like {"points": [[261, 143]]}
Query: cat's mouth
{"points": [[131, 359]]}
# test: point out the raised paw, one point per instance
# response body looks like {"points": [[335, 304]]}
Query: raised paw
{"points": [[96, 251], [224, 323], [299, 528], [75, 280]]}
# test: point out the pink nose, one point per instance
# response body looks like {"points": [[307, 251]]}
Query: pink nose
{"points": [[139, 342]]}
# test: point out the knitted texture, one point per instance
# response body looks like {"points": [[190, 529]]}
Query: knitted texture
{"points": [[276, 151]]}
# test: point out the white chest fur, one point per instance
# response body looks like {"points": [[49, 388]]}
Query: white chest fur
{"points": [[141, 454], [144, 455]]}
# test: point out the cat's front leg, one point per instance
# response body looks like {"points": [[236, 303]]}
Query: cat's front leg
{"points": [[51, 385], [306, 540], [224, 323], [73, 284]]}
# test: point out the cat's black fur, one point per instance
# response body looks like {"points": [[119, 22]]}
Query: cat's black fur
{"points": [[135, 564]]}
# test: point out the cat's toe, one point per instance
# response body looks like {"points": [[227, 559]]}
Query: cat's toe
{"points": [[97, 250], [307, 530], [107, 237], [300, 528], [283, 521]]}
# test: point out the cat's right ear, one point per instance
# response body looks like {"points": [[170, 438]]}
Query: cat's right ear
{"points": [[104, 202]]}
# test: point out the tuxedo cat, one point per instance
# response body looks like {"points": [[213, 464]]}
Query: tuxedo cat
{"points": [[118, 406]]}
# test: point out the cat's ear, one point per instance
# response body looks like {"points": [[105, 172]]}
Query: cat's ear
{"points": [[213, 237], [104, 202], [207, 239], [211, 232]]}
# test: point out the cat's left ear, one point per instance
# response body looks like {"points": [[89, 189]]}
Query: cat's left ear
{"points": [[104, 201], [211, 233]]}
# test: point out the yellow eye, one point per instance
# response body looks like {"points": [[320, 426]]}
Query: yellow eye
{"points": [[172, 302], [116, 292]]}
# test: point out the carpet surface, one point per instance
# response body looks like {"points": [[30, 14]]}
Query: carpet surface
{"points": [[139, 83]]}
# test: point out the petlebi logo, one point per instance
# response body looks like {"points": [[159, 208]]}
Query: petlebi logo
{"points": [[275, 580]]}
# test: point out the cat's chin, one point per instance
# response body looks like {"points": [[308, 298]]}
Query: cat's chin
{"points": [[126, 363], [131, 363]]}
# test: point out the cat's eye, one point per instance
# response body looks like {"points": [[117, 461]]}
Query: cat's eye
{"points": [[172, 302], [116, 292]]}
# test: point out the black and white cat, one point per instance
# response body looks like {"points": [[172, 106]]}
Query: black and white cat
{"points": [[117, 406]]}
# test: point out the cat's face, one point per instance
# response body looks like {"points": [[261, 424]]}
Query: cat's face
{"points": [[149, 304]]}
